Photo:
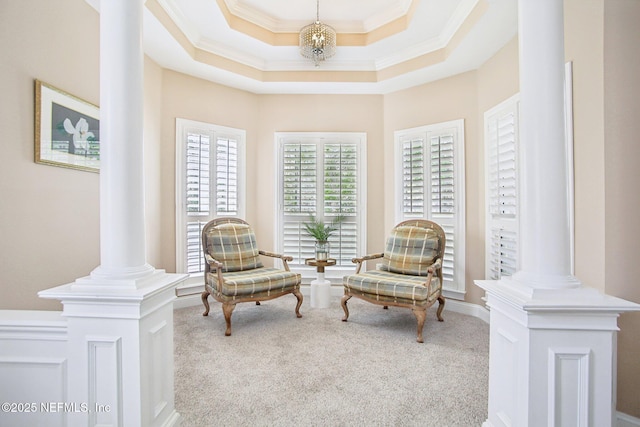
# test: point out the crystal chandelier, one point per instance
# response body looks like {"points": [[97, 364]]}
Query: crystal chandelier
{"points": [[317, 40]]}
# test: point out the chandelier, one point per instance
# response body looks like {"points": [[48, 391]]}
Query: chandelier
{"points": [[317, 40]]}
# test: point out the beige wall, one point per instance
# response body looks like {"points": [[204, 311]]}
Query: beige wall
{"points": [[153, 167], [622, 175], [49, 215], [52, 238], [584, 47]]}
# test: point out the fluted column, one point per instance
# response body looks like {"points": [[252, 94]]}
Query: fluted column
{"points": [[122, 231], [544, 216]]}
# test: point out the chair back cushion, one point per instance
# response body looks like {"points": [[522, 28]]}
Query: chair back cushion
{"points": [[410, 250], [234, 245]]}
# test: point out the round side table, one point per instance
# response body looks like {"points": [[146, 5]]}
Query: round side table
{"points": [[320, 288]]}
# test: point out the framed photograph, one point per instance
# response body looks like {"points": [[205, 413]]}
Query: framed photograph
{"points": [[67, 130]]}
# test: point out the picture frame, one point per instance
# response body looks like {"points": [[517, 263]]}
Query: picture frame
{"points": [[67, 130]]}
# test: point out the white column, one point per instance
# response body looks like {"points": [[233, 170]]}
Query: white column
{"points": [[120, 318], [545, 254], [552, 358], [122, 231]]}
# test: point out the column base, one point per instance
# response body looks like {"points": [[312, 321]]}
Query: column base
{"points": [[552, 355], [120, 350]]}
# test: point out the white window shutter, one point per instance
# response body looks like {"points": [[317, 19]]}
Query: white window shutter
{"points": [[299, 177], [226, 176], [430, 167], [320, 177], [413, 174], [198, 162], [341, 198], [209, 184], [501, 146]]}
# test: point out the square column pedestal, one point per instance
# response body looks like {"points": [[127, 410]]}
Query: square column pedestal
{"points": [[552, 355], [120, 349]]}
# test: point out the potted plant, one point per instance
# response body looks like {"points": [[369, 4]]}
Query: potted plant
{"points": [[320, 231]]}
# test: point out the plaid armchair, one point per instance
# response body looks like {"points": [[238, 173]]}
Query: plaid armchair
{"points": [[234, 272], [410, 274]]}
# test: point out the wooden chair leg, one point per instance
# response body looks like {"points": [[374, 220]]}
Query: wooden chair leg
{"points": [[205, 301], [343, 303], [227, 309], [440, 308], [299, 297], [421, 315]]}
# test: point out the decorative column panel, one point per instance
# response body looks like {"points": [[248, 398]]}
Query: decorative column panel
{"points": [[120, 318], [552, 356]]}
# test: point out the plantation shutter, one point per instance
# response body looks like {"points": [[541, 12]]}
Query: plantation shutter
{"points": [[198, 195], [211, 188], [299, 198], [226, 176], [413, 172], [319, 178], [340, 198], [501, 136], [431, 187], [443, 195]]}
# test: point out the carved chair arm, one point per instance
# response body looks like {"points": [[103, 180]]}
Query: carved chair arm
{"points": [[216, 265], [435, 268], [361, 260], [284, 258]]}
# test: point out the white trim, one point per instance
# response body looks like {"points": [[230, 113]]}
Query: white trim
{"points": [[568, 117], [624, 420]]}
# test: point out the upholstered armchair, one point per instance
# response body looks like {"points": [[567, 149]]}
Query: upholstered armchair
{"points": [[409, 274], [234, 272]]}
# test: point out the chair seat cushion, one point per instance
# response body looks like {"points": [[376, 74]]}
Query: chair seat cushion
{"points": [[388, 286], [257, 281]]}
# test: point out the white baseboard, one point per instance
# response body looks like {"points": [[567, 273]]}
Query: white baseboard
{"points": [[624, 420], [467, 308], [187, 301]]}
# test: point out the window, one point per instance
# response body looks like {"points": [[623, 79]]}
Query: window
{"points": [[321, 174], [430, 185], [209, 184], [501, 159]]}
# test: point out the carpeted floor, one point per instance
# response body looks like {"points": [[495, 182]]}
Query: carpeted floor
{"points": [[278, 370]]}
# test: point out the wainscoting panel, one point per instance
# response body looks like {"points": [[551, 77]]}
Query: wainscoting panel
{"points": [[33, 369], [105, 381], [507, 374], [569, 387], [158, 336]]}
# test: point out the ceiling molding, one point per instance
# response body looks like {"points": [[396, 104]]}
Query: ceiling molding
{"points": [[425, 55], [287, 35], [241, 10]]}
